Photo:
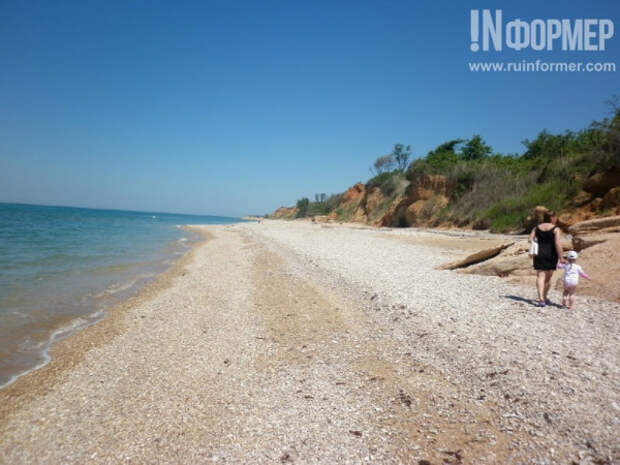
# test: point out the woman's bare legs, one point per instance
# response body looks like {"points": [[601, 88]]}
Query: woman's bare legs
{"points": [[540, 285], [548, 276], [543, 284]]}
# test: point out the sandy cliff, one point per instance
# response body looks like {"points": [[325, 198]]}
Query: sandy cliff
{"points": [[427, 201]]}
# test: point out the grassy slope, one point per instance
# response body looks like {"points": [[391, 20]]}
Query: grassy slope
{"points": [[498, 191]]}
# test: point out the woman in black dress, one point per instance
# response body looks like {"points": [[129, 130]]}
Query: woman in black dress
{"points": [[549, 253]]}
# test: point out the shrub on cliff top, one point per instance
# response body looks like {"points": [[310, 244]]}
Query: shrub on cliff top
{"points": [[378, 180], [498, 190], [501, 190], [392, 183], [302, 207]]}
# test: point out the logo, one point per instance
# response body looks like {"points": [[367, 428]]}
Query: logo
{"points": [[488, 32]]}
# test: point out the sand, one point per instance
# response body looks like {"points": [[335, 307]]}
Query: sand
{"points": [[297, 343]]}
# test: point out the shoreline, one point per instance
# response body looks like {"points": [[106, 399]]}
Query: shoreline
{"points": [[321, 346], [64, 344], [59, 285], [66, 351]]}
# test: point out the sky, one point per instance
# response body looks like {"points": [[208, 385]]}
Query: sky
{"points": [[233, 107]]}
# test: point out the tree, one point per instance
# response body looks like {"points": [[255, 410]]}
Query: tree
{"points": [[401, 155], [302, 207], [444, 156], [383, 164], [475, 149], [449, 146]]}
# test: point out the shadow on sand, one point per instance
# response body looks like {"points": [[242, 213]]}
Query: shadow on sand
{"points": [[529, 301]]}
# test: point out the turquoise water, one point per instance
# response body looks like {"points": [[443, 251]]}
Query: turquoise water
{"points": [[60, 267]]}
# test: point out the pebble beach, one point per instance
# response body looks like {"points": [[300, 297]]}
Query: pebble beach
{"points": [[294, 342]]}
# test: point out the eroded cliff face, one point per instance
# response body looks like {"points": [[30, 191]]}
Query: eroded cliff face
{"points": [[600, 196], [423, 201], [356, 204], [285, 213], [410, 204], [591, 223], [425, 197]]}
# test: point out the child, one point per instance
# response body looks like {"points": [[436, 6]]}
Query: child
{"points": [[572, 271]]}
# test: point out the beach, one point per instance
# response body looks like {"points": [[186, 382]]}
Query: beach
{"points": [[294, 342]]}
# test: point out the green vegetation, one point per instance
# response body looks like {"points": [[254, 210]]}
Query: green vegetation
{"points": [[397, 160], [322, 205], [345, 213], [475, 149], [318, 209], [512, 211], [303, 205], [401, 155], [390, 183], [500, 191], [489, 190]]}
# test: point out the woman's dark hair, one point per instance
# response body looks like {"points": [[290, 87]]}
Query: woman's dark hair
{"points": [[548, 216]]}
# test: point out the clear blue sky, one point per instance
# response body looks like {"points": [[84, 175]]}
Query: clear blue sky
{"points": [[231, 107]]}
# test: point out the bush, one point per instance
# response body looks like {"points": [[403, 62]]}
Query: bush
{"points": [[510, 213], [345, 213], [333, 201], [302, 207], [391, 184], [500, 191], [318, 209], [379, 179], [493, 190]]}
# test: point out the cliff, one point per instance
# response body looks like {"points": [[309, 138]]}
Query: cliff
{"points": [[284, 213], [430, 200], [464, 184]]}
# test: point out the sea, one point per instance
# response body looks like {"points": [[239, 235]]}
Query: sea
{"points": [[62, 267]]}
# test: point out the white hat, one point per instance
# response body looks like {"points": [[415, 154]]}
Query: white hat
{"points": [[572, 255]]}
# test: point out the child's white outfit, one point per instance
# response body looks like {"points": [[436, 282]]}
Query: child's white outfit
{"points": [[572, 272]]}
